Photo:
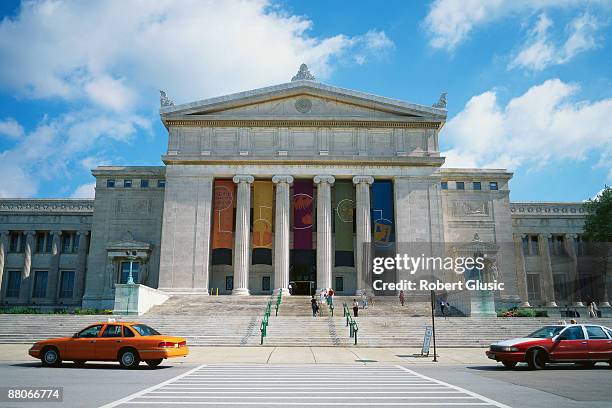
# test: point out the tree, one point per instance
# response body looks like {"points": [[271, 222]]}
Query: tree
{"points": [[598, 223], [598, 231]]}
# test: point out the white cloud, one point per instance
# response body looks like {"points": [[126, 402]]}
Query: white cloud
{"points": [[10, 128], [85, 191], [542, 126], [57, 145], [450, 22], [539, 51], [119, 53]]}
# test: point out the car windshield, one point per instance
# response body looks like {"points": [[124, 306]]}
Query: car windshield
{"points": [[546, 332], [145, 330]]}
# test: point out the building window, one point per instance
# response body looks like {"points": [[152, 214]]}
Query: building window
{"points": [[144, 183], [535, 249], [67, 284], [493, 185], [533, 286], [127, 183], [444, 185], [125, 272], [70, 242], [560, 285], [525, 241], [460, 185], [556, 245], [161, 183], [265, 283], [44, 242], [477, 185], [229, 283], [110, 183], [16, 242], [339, 284], [40, 284], [14, 284]]}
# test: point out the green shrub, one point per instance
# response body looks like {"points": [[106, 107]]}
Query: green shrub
{"points": [[20, 310], [541, 313]]}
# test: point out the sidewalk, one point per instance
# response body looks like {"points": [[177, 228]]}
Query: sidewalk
{"points": [[301, 355]]}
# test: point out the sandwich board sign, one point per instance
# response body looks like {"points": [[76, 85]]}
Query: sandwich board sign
{"points": [[426, 341]]}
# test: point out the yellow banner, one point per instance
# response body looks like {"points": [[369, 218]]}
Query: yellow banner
{"points": [[263, 197]]}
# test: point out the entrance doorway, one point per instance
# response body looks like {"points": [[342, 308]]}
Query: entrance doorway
{"points": [[303, 274]]}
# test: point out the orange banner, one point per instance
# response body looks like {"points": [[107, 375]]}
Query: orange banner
{"points": [[263, 196], [223, 214]]}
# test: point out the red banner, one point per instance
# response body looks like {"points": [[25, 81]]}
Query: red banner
{"points": [[223, 214]]}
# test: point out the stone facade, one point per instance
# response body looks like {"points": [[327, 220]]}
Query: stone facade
{"points": [[158, 220]]}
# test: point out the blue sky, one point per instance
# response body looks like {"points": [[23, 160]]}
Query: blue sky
{"points": [[529, 83]]}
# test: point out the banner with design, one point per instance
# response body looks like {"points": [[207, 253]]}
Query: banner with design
{"points": [[382, 214], [302, 214], [263, 197], [344, 205], [223, 214]]}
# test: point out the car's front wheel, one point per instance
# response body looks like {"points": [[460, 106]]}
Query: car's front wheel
{"points": [[154, 363], [509, 364], [536, 359], [129, 358], [50, 357]]}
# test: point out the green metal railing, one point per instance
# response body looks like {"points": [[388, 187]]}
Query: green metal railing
{"points": [[264, 323], [279, 299], [350, 322]]}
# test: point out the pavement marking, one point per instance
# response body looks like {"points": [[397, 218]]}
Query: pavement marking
{"points": [[304, 385]]}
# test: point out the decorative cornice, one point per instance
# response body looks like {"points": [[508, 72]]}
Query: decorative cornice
{"points": [[47, 206], [303, 123], [330, 161], [547, 209]]}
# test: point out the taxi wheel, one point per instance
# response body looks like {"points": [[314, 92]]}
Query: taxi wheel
{"points": [[50, 357], [509, 364], [129, 358], [154, 363], [79, 363], [536, 359]]}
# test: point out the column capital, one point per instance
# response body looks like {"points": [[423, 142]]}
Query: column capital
{"points": [[83, 232], [363, 179], [4, 233], [324, 179], [282, 179], [243, 178], [546, 235], [570, 236], [29, 233], [56, 232]]}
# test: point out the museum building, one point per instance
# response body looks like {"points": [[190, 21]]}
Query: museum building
{"points": [[286, 185]]}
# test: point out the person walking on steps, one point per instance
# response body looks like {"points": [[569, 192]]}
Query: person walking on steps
{"points": [[330, 297], [355, 308], [443, 307], [314, 306], [402, 298]]}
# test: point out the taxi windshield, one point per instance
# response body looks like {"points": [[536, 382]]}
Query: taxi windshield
{"points": [[145, 330], [546, 332]]}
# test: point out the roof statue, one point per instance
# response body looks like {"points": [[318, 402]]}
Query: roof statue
{"points": [[441, 102], [164, 100], [303, 74]]}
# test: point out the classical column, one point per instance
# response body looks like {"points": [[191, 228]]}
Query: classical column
{"points": [[324, 231], [242, 246], [81, 269], [569, 241], [281, 234], [547, 274], [26, 287], [521, 274], [54, 277], [3, 247], [364, 230]]}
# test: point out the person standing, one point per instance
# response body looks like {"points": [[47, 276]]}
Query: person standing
{"points": [[364, 300], [314, 306], [322, 296], [330, 297], [443, 307], [355, 308], [402, 298]]}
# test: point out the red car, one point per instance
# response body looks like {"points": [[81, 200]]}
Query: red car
{"points": [[584, 344]]}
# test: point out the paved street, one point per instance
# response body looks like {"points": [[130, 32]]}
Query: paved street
{"points": [[357, 384]]}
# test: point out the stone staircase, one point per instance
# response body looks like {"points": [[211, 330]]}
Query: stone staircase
{"points": [[235, 321]]}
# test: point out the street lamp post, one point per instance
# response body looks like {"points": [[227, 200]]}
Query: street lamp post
{"points": [[132, 257]]}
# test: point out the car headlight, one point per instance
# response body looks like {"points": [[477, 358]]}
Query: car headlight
{"points": [[509, 348], [35, 346]]}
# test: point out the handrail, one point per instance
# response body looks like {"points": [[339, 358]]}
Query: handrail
{"points": [[350, 322], [279, 300], [264, 323]]}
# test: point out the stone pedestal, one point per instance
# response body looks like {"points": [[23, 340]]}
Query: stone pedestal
{"points": [[482, 303]]}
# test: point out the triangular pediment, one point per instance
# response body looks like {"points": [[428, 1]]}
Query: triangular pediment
{"points": [[302, 100]]}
